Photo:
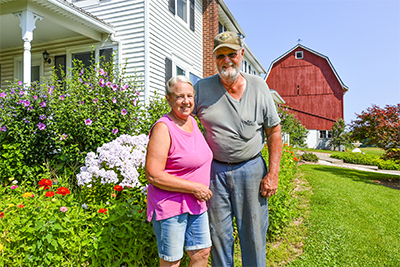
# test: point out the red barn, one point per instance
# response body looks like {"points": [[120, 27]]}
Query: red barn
{"points": [[312, 88]]}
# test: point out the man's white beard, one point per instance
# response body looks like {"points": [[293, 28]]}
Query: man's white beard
{"points": [[229, 76]]}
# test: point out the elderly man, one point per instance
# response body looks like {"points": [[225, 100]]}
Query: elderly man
{"points": [[237, 112]]}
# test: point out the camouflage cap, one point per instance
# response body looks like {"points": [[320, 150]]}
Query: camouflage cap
{"points": [[227, 39]]}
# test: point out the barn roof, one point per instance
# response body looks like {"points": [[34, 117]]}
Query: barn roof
{"points": [[345, 87]]}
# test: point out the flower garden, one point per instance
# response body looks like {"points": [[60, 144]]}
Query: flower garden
{"points": [[72, 185]]}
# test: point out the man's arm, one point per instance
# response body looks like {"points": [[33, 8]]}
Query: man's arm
{"points": [[269, 184]]}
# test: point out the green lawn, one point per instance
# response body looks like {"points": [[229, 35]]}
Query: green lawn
{"points": [[372, 151], [351, 221]]}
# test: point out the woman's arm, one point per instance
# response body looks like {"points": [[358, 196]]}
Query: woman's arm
{"points": [[156, 158]]}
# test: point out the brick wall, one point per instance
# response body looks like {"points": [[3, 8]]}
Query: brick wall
{"points": [[210, 30]]}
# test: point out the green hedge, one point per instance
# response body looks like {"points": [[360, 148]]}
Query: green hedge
{"points": [[359, 158]]}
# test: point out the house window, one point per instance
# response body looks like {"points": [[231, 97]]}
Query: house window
{"points": [[322, 134], [181, 8], [180, 71], [299, 54], [85, 57], [193, 78], [35, 74], [60, 66], [221, 28], [330, 135]]}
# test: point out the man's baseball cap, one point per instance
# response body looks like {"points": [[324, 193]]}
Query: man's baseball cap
{"points": [[227, 39]]}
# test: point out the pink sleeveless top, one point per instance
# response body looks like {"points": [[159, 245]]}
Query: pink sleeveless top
{"points": [[188, 158]]}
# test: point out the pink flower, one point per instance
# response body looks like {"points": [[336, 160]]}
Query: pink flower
{"points": [[63, 136], [124, 112], [14, 187], [114, 87], [114, 100], [43, 104], [88, 122], [41, 126], [124, 87], [63, 209], [101, 82], [2, 94], [115, 131], [19, 83], [108, 84], [102, 72]]}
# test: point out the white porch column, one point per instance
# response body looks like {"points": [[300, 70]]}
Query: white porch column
{"points": [[27, 21]]}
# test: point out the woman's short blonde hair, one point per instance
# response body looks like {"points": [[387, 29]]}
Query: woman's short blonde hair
{"points": [[174, 80]]}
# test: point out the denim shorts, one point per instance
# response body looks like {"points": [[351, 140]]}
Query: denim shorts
{"points": [[185, 230]]}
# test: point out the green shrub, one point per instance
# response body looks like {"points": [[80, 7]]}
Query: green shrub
{"points": [[309, 157], [282, 205], [359, 158], [292, 125], [39, 228]]}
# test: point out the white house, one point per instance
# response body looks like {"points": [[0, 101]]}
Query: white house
{"points": [[156, 38]]}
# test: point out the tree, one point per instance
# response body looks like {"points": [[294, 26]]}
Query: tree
{"points": [[339, 135], [291, 125], [380, 126]]}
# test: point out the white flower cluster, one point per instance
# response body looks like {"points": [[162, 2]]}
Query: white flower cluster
{"points": [[125, 154]]}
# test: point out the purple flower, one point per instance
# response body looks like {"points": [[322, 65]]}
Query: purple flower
{"points": [[114, 100], [95, 100], [27, 103], [21, 93], [115, 87], [108, 84], [35, 97], [101, 82], [80, 80], [43, 104], [41, 126], [102, 72], [80, 73], [63, 136], [19, 83], [124, 112], [115, 131], [2, 94], [134, 102], [3, 129], [88, 122], [62, 97], [42, 117], [50, 90], [124, 87]]}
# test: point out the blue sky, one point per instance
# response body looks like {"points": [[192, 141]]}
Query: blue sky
{"points": [[360, 37]]}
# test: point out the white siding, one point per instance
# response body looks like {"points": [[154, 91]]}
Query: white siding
{"points": [[128, 19], [170, 37]]}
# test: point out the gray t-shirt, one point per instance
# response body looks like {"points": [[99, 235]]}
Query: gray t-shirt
{"points": [[234, 129]]}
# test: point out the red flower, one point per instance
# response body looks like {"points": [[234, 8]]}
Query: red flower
{"points": [[2, 215], [21, 206], [49, 194], [63, 191], [295, 159], [103, 211], [45, 183], [118, 188]]}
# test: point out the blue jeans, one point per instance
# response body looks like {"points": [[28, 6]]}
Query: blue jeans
{"points": [[236, 192], [172, 234]]}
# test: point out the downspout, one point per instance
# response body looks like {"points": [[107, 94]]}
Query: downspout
{"points": [[119, 53]]}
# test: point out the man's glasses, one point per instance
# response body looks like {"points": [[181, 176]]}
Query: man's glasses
{"points": [[230, 55]]}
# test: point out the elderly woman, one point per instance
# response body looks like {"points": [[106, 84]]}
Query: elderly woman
{"points": [[178, 169]]}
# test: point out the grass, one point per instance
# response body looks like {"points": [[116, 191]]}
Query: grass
{"points": [[372, 151], [352, 221]]}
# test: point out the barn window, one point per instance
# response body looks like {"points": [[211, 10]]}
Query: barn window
{"points": [[330, 135], [322, 134], [299, 54]]}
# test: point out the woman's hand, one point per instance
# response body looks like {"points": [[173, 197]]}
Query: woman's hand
{"points": [[202, 192]]}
